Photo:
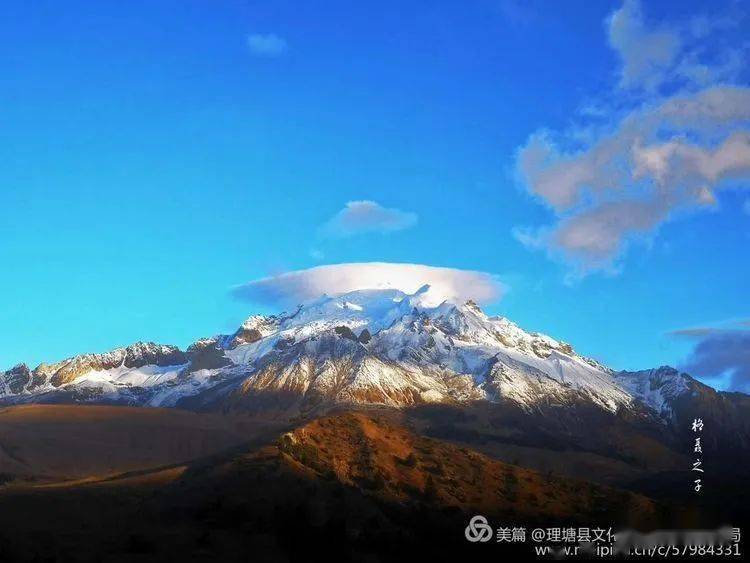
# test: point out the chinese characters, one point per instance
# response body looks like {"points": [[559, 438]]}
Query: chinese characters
{"points": [[697, 428]]}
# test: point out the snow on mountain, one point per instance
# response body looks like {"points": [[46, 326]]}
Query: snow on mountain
{"points": [[657, 388], [379, 346], [140, 365]]}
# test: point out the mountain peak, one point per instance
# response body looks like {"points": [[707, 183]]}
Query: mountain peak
{"points": [[657, 387], [374, 346]]}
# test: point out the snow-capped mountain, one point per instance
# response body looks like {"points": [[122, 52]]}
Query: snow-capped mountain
{"points": [[138, 366], [365, 347]]}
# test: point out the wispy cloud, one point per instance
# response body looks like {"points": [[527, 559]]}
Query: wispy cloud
{"points": [[628, 167], [359, 217], [531, 239], [710, 329], [292, 288], [266, 44], [695, 332]]}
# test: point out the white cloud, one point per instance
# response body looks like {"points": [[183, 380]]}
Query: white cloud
{"points": [[619, 179], [654, 56], [290, 289], [717, 106], [646, 54], [266, 44], [359, 217], [629, 181], [678, 162], [593, 237]]}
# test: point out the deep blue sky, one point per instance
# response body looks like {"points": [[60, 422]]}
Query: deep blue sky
{"points": [[150, 160]]}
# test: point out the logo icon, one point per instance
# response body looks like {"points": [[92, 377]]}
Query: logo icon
{"points": [[478, 530]]}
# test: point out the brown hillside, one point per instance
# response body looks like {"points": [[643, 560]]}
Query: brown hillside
{"points": [[350, 486], [52, 442], [374, 454]]}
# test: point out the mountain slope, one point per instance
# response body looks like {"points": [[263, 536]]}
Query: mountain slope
{"points": [[139, 365], [380, 347], [346, 487], [381, 456], [59, 442]]}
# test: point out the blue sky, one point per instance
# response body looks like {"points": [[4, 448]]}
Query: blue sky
{"points": [[156, 154]]}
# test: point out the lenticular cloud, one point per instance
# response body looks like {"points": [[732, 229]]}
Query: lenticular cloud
{"points": [[292, 288]]}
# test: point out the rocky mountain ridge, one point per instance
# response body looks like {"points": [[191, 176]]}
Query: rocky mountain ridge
{"points": [[381, 347]]}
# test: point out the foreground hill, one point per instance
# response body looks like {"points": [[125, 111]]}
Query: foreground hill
{"points": [[42, 443], [376, 453], [349, 486]]}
